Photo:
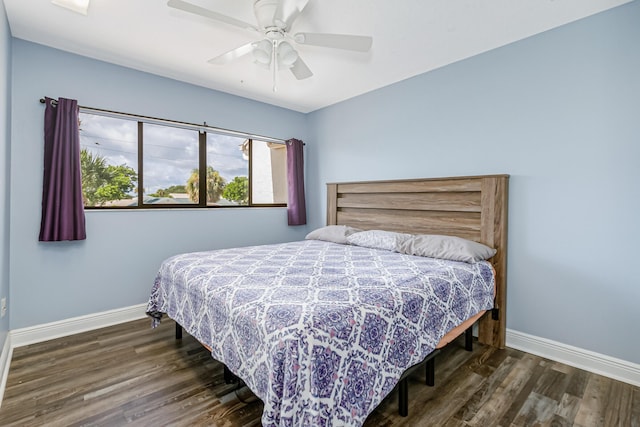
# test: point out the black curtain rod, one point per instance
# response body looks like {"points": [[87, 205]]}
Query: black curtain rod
{"points": [[180, 124]]}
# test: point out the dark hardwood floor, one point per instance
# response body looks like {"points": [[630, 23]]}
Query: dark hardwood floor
{"points": [[130, 374]]}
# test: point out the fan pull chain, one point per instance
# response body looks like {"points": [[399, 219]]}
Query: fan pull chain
{"points": [[274, 61]]}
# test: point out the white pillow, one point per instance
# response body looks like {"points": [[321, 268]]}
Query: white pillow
{"points": [[378, 239], [446, 247], [332, 233]]}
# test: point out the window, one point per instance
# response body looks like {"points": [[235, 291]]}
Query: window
{"points": [[131, 163], [169, 162], [108, 160], [227, 163], [269, 187]]}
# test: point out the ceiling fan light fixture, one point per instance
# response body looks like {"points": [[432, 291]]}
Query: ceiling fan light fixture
{"points": [[78, 6], [287, 55], [262, 51]]}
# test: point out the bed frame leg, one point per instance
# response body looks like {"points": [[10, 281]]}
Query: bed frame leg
{"points": [[178, 331], [403, 397], [229, 377], [431, 372], [468, 339]]}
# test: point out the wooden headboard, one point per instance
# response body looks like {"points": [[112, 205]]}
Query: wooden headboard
{"points": [[473, 207]]}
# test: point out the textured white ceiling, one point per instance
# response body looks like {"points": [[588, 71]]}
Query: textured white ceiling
{"points": [[410, 37]]}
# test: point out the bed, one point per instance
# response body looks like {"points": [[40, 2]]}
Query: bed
{"points": [[322, 331]]}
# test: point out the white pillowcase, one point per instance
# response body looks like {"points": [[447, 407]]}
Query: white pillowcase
{"points": [[446, 247], [332, 233], [427, 245], [378, 239]]}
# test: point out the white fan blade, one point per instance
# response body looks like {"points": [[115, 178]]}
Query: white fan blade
{"points": [[288, 11], [300, 70], [338, 41], [197, 10], [232, 54]]}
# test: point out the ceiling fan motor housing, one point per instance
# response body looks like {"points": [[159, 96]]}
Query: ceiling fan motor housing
{"points": [[265, 11]]}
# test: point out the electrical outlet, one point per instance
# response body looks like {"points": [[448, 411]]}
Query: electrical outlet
{"points": [[3, 306]]}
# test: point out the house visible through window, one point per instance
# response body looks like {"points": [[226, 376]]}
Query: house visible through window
{"points": [[130, 163]]}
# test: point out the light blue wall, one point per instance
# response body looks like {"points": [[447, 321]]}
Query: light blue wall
{"points": [[116, 265], [560, 113], [5, 118]]}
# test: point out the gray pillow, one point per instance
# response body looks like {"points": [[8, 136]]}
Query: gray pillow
{"points": [[446, 247], [332, 233], [378, 239]]}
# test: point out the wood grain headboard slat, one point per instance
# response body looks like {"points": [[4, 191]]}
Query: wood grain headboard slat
{"points": [[473, 207], [426, 201], [412, 185], [457, 223]]}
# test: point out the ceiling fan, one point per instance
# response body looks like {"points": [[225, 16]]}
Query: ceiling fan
{"points": [[274, 49]]}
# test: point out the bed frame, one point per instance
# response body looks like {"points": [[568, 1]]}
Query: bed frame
{"points": [[472, 207]]}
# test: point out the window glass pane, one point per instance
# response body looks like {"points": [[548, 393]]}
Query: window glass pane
{"points": [[227, 170], [268, 173], [109, 160], [170, 165]]}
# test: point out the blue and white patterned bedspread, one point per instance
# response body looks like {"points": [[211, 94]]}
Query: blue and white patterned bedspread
{"points": [[321, 332]]}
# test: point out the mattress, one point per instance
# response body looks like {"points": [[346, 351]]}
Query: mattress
{"points": [[321, 332]]}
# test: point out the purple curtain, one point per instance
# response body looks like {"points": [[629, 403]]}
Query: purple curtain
{"points": [[296, 209], [62, 206]]}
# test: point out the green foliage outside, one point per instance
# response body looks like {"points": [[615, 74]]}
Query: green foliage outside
{"points": [[102, 182], [176, 189], [215, 185], [237, 190], [162, 193], [166, 192]]}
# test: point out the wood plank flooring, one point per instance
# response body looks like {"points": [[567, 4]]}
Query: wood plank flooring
{"points": [[130, 374]]}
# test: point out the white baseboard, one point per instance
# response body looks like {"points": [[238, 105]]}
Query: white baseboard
{"points": [[75, 325], [5, 361], [597, 363]]}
